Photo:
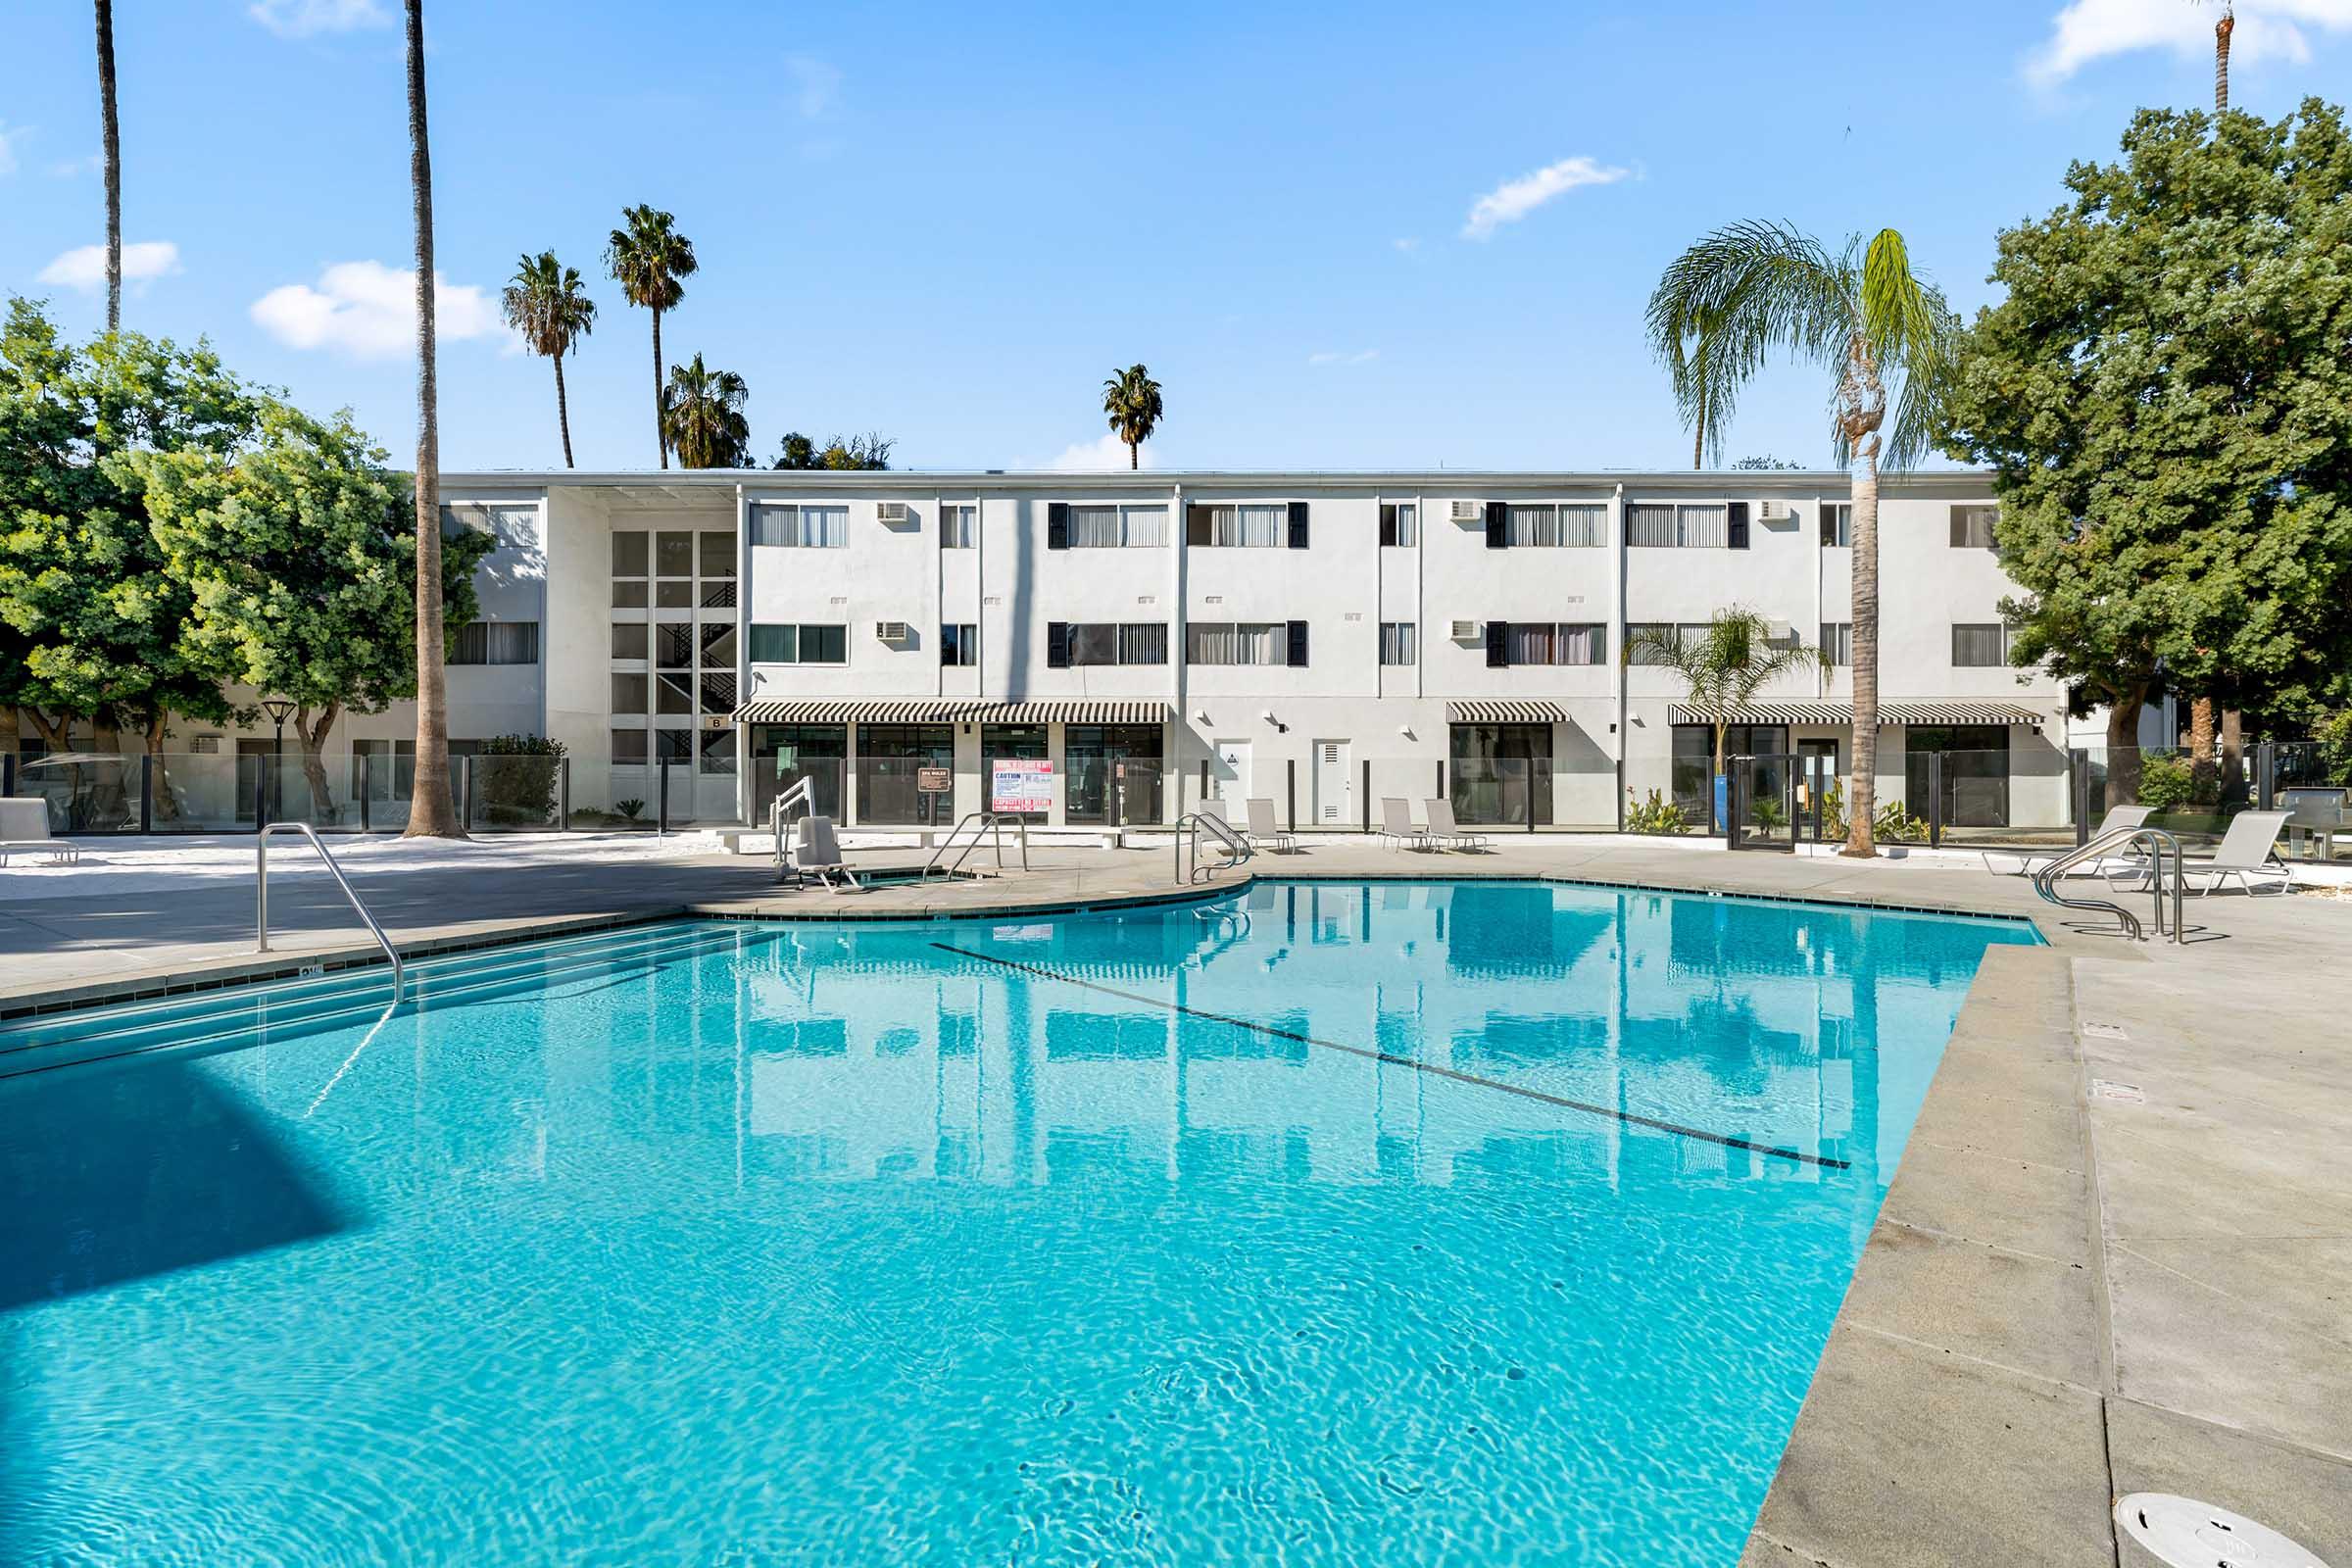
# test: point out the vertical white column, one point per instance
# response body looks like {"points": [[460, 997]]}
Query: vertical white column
{"points": [[1171, 806], [743, 652], [1617, 633]]}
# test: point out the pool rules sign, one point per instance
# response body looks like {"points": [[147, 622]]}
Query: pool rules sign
{"points": [[1018, 786]]}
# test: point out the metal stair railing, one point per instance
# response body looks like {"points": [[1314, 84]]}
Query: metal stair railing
{"points": [[1231, 844], [989, 822], [260, 897], [2159, 842]]}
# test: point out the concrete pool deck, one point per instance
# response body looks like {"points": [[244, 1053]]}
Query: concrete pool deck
{"points": [[2117, 1256]]}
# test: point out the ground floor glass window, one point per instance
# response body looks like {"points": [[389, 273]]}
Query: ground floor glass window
{"points": [[1500, 774], [1695, 760], [1975, 772], [1113, 774], [782, 755], [890, 760], [1010, 743]]}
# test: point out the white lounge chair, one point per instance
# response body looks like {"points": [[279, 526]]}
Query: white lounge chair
{"points": [[25, 829], [1396, 826], [2029, 862], [816, 853], [1443, 828], [1262, 834], [2245, 855]]}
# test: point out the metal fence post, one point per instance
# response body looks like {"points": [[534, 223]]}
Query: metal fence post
{"points": [[1367, 795], [662, 802], [1935, 799], [1441, 795], [261, 794], [2077, 792], [2266, 773], [1205, 783], [563, 794], [465, 793], [147, 792], [366, 762], [1290, 791], [8, 769]]}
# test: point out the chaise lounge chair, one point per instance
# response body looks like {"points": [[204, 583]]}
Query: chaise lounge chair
{"points": [[2029, 862], [2248, 853], [1262, 834], [1443, 829], [24, 828], [816, 853], [1396, 826]]}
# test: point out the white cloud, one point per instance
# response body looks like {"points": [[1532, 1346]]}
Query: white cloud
{"points": [[1361, 356], [2092, 30], [815, 86], [1514, 199], [1104, 451], [1406, 244], [8, 145], [304, 19], [69, 167], [369, 311], [85, 266]]}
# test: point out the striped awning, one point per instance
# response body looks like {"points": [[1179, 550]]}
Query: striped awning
{"points": [[947, 710], [1889, 714], [1506, 711]]}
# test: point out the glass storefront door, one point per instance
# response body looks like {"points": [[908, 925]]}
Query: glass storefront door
{"points": [[1694, 762], [1113, 774], [889, 758], [1500, 774], [1975, 772], [1012, 743], [782, 755]]}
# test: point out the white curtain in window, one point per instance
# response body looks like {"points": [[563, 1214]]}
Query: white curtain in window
{"points": [[1531, 526], [1582, 645], [1649, 526], [1396, 642], [956, 526], [1584, 527], [1263, 528], [1093, 527], [1640, 637], [1837, 641], [1532, 642], [1217, 642], [1145, 527], [1701, 528]]}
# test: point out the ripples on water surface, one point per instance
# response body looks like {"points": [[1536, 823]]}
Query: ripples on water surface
{"points": [[833, 1244]]}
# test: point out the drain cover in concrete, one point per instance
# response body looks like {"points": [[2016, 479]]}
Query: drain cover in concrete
{"points": [[2104, 1031], [2109, 1088], [2187, 1533]]}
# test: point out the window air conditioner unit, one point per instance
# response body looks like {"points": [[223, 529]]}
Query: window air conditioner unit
{"points": [[1467, 512], [1779, 631], [1772, 512], [891, 632], [891, 511], [1467, 631]]}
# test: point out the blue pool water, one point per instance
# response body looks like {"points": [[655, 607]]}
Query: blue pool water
{"points": [[1398, 1223]]}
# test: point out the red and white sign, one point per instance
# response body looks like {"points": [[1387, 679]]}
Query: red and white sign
{"points": [[1025, 787]]}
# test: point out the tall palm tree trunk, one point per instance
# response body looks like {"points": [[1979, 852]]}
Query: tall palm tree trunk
{"points": [[431, 813], [2202, 725], [2222, 31], [1862, 796], [660, 434], [1132, 457], [563, 414], [113, 166]]}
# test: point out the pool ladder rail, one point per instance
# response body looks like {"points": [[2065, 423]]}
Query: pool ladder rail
{"points": [[1227, 844], [2159, 844], [260, 897], [991, 823]]}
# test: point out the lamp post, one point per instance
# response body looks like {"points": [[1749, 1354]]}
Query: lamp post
{"points": [[277, 707]]}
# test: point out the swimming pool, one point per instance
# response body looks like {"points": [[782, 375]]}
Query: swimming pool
{"points": [[1325, 1223]]}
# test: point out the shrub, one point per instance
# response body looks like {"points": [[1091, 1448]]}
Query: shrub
{"points": [[1655, 815], [517, 775], [628, 809], [1898, 826], [2167, 783]]}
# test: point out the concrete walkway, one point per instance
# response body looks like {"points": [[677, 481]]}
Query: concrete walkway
{"points": [[2118, 1254]]}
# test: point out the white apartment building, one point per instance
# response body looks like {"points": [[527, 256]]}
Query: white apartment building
{"points": [[1322, 640]]}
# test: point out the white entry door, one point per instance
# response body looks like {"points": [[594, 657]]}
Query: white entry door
{"points": [[1335, 785], [1231, 772]]}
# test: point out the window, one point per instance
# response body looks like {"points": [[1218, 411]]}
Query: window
{"points": [[1836, 524], [718, 752], [673, 554], [1399, 526], [673, 746], [1249, 527], [1545, 525], [629, 555], [1837, 643], [673, 644], [958, 527], [1980, 647], [1246, 641], [1398, 639], [800, 528], [632, 640], [959, 645], [1075, 643], [1677, 527], [495, 641], [716, 553], [1543, 642], [1971, 527], [1118, 527], [629, 694], [674, 694], [800, 645], [628, 747], [629, 595], [1639, 633]]}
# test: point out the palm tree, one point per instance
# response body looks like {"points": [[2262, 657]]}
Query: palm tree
{"points": [[646, 257], [113, 140], [2222, 31], [431, 815], [2202, 711], [1724, 667], [701, 418], [1744, 291], [546, 304], [1131, 398]]}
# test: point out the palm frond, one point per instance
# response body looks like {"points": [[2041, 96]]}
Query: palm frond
{"points": [[1729, 302]]}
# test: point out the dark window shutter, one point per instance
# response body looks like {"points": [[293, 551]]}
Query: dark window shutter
{"points": [[1387, 522], [1299, 533], [1057, 645], [1498, 519], [1298, 659], [1195, 526], [1735, 534], [1498, 644], [1057, 525]]}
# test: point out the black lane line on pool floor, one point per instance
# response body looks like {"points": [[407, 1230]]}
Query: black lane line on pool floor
{"points": [[1629, 1118]]}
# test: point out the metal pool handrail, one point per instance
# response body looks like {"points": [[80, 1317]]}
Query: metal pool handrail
{"points": [[260, 897], [1235, 848], [990, 823], [2046, 880]]}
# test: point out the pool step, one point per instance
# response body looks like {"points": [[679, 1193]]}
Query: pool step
{"points": [[288, 1008]]}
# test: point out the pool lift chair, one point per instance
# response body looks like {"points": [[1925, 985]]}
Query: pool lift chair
{"points": [[806, 849]]}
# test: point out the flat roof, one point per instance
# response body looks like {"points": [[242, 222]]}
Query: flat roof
{"points": [[1444, 481]]}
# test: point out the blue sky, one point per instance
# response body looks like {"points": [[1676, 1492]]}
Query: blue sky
{"points": [[950, 224]]}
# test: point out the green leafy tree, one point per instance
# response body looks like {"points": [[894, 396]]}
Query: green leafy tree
{"points": [[546, 305], [798, 452], [93, 610], [2165, 399], [843, 454], [702, 416], [1753, 289], [1132, 403], [1722, 668], [297, 553], [650, 258]]}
